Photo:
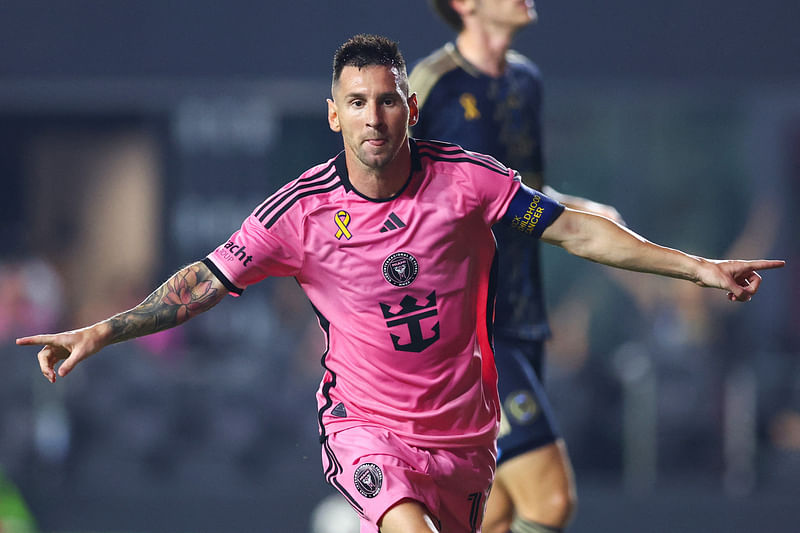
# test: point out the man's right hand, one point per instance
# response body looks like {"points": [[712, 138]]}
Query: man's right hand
{"points": [[72, 347]]}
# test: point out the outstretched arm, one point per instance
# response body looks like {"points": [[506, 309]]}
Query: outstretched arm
{"points": [[189, 292], [603, 241]]}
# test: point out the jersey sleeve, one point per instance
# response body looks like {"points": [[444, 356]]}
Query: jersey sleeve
{"points": [[530, 211], [493, 184], [254, 252]]}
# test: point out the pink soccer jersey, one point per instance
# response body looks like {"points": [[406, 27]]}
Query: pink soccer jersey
{"points": [[401, 287]]}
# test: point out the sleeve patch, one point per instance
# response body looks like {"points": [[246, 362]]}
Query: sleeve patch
{"points": [[530, 211]]}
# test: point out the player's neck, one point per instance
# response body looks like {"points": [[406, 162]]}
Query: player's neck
{"points": [[485, 48], [384, 182]]}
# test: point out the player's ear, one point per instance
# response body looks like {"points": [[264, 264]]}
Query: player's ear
{"points": [[463, 7], [333, 116], [413, 109]]}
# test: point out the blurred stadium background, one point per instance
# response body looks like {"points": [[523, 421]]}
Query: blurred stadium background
{"points": [[135, 136]]}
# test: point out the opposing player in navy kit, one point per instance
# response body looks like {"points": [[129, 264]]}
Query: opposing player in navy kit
{"points": [[478, 93]]}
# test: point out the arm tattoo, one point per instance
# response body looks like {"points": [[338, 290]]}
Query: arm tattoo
{"points": [[189, 292]]}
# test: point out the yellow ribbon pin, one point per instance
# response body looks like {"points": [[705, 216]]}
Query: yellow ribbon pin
{"points": [[342, 220], [470, 105]]}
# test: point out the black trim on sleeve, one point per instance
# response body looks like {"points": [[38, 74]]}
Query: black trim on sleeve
{"points": [[442, 151], [222, 277]]}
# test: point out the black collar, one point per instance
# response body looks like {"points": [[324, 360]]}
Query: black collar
{"points": [[341, 169]]}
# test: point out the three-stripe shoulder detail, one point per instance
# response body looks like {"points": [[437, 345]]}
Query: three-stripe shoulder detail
{"points": [[446, 152], [322, 181]]}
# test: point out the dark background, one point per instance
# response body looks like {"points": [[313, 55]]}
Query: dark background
{"points": [[733, 40]]}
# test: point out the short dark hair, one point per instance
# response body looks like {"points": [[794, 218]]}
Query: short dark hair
{"points": [[444, 8], [366, 50]]}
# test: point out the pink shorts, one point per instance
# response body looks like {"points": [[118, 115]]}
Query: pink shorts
{"points": [[374, 469]]}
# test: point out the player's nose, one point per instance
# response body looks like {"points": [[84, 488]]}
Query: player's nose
{"points": [[374, 115]]}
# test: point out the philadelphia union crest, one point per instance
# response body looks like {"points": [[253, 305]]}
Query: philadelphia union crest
{"points": [[368, 479], [522, 407], [400, 269]]}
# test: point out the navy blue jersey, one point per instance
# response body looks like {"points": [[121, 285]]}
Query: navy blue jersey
{"points": [[501, 117]]}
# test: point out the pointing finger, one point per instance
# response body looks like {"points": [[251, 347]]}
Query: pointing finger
{"points": [[766, 264], [36, 340]]}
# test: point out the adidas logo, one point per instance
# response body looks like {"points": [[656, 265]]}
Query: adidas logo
{"points": [[339, 411], [393, 222]]}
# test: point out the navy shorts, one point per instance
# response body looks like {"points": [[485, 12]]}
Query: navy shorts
{"points": [[527, 420]]}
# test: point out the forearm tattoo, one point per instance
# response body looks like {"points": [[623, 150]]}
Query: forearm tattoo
{"points": [[189, 292]]}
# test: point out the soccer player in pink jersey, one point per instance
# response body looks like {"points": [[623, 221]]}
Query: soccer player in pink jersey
{"points": [[391, 241]]}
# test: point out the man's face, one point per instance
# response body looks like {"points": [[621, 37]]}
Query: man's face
{"points": [[372, 110], [509, 13]]}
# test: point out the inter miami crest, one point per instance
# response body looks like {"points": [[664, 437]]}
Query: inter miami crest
{"points": [[368, 479], [400, 269]]}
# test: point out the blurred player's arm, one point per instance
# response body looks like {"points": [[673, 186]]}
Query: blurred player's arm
{"points": [[189, 292], [579, 203], [535, 180], [601, 240]]}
